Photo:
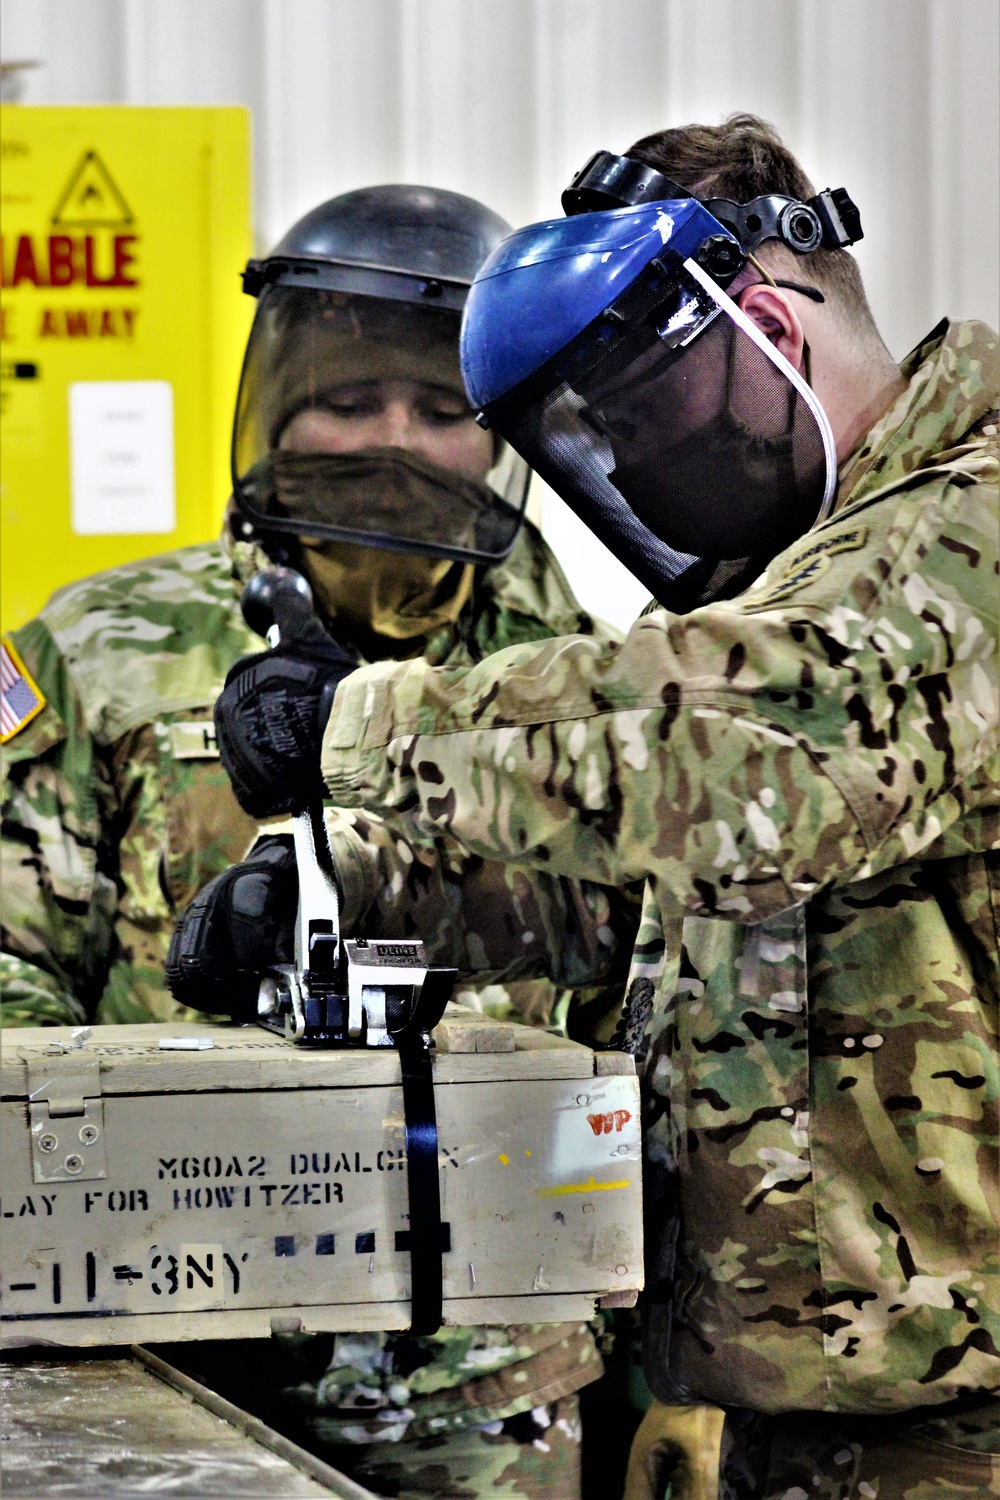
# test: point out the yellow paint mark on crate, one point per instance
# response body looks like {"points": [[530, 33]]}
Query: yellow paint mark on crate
{"points": [[581, 1187]]}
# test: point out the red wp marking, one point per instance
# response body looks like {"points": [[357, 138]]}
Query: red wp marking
{"points": [[615, 1119]]}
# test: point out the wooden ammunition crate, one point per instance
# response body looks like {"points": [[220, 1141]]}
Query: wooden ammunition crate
{"points": [[161, 1194]]}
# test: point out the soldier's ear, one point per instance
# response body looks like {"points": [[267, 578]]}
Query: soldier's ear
{"points": [[774, 315]]}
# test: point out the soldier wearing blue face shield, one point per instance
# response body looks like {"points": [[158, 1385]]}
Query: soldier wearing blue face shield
{"points": [[796, 749], [666, 416]]}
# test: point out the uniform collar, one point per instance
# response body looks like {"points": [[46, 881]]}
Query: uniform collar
{"points": [[951, 386]]}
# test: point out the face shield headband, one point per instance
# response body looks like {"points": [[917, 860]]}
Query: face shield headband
{"points": [[679, 435], [829, 219], [310, 459]]}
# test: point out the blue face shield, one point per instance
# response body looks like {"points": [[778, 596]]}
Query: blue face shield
{"points": [[607, 354]]}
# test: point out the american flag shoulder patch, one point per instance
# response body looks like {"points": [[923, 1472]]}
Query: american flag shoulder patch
{"points": [[21, 699]]}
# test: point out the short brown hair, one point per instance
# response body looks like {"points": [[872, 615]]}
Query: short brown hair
{"points": [[744, 158]]}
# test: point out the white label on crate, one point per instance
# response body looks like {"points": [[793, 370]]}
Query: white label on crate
{"points": [[122, 454], [600, 1133]]}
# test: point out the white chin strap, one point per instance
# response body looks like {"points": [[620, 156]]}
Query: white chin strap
{"points": [[731, 309]]}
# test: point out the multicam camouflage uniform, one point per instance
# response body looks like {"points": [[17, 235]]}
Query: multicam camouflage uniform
{"points": [[951, 1457], [806, 778], [117, 811], [116, 808], [471, 1424]]}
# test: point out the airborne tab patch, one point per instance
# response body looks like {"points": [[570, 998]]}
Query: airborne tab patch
{"points": [[810, 563], [21, 699]]}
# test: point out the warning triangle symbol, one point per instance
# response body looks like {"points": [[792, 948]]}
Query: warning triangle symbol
{"points": [[90, 200]]}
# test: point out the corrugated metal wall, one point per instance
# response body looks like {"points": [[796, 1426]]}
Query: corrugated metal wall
{"points": [[503, 99]]}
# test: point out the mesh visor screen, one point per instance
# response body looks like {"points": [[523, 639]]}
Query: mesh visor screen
{"points": [[316, 359], [694, 461]]}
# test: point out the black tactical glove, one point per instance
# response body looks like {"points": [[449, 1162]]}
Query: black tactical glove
{"points": [[269, 722], [240, 924]]}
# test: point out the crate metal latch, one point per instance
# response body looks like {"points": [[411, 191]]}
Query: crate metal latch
{"points": [[67, 1119]]}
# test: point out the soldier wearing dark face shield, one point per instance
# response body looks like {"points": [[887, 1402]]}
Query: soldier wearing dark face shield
{"points": [[796, 748], [357, 459], [355, 452]]}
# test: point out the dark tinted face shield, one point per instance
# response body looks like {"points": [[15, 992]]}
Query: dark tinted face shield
{"points": [[679, 435], [312, 456]]}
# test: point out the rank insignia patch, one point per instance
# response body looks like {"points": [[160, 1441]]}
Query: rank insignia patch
{"points": [[20, 697]]}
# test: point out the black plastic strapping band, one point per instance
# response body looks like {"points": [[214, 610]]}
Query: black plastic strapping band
{"points": [[422, 1181]]}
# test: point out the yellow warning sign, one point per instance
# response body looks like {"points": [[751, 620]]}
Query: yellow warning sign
{"points": [[122, 328], [91, 200]]}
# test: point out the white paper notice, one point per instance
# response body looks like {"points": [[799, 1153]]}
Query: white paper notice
{"points": [[122, 451]]}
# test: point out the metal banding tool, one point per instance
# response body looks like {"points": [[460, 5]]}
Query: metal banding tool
{"points": [[357, 992]]}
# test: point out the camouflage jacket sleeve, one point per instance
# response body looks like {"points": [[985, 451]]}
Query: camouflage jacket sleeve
{"points": [[58, 906], [491, 920], [527, 944], [817, 729], [114, 811]]}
